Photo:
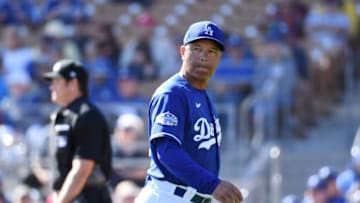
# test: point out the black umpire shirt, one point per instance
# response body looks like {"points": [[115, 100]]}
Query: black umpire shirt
{"points": [[81, 131]]}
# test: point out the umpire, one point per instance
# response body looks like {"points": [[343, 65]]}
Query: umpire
{"points": [[80, 142]]}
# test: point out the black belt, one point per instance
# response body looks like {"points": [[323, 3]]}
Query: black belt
{"points": [[196, 198]]}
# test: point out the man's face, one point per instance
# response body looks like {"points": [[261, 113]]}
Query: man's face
{"points": [[331, 188], [317, 195], [201, 59], [60, 89], [126, 136]]}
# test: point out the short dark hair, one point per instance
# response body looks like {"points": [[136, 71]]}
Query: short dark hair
{"points": [[83, 86]]}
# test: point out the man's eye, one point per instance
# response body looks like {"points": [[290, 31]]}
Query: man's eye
{"points": [[213, 51], [195, 48]]}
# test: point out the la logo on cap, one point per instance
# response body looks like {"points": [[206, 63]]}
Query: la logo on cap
{"points": [[208, 30]]}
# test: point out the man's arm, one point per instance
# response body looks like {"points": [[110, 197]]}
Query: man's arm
{"points": [[42, 174], [75, 180], [182, 166], [172, 156]]}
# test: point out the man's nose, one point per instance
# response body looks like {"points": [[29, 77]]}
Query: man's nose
{"points": [[202, 56]]}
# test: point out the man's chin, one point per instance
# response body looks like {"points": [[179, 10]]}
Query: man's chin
{"points": [[54, 100], [204, 74]]}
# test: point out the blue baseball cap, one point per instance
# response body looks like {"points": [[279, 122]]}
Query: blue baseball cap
{"points": [[315, 182], [204, 30], [327, 173]]}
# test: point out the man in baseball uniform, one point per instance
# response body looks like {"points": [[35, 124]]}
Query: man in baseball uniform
{"points": [[184, 128]]}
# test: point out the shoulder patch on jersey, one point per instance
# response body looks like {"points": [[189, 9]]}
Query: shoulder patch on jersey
{"points": [[166, 118]]}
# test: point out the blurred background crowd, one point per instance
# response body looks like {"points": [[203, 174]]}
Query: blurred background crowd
{"points": [[287, 63]]}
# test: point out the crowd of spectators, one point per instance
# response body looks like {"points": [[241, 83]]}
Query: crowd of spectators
{"points": [[290, 65], [331, 185]]}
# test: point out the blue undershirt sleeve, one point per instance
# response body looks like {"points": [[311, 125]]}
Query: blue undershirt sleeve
{"points": [[180, 164]]}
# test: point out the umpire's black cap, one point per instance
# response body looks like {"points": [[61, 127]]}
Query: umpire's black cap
{"points": [[68, 69]]}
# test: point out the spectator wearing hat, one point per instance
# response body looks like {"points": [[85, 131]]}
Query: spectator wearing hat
{"points": [[315, 191], [130, 152], [329, 175], [348, 180]]}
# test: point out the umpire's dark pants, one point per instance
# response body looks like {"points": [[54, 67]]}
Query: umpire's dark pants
{"points": [[94, 194]]}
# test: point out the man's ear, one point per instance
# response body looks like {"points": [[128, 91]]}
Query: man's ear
{"points": [[182, 51], [74, 84]]}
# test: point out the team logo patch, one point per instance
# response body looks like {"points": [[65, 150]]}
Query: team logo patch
{"points": [[61, 141], [208, 30], [62, 127], [166, 118]]}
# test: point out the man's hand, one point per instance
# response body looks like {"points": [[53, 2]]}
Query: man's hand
{"points": [[226, 192], [75, 180]]}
